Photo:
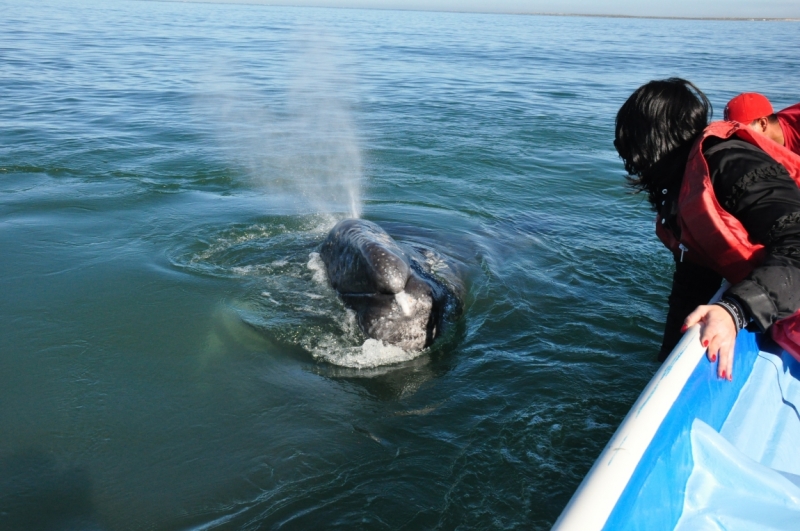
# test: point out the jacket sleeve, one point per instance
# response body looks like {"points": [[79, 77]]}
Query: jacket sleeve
{"points": [[760, 193], [692, 285], [789, 119]]}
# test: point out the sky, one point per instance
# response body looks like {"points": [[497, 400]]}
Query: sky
{"points": [[648, 8]]}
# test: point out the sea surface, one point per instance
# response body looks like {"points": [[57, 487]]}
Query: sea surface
{"points": [[171, 355]]}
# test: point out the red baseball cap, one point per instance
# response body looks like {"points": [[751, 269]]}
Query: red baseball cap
{"points": [[746, 107]]}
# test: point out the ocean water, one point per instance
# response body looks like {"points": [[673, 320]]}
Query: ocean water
{"points": [[171, 356]]}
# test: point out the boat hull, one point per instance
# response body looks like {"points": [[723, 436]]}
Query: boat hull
{"points": [[695, 447]]}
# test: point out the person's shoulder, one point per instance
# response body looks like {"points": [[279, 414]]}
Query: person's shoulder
{"points": [[730, 160], [793, 110], [790, 116], [722, 148]]}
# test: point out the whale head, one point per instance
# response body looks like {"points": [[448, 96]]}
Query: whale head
{"points": [[393, 300]]}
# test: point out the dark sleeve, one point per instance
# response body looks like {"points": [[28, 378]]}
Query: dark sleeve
{"points": [[692, 285], [760, 193]]}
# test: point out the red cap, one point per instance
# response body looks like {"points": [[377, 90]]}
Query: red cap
{"points": [[746, 107]]}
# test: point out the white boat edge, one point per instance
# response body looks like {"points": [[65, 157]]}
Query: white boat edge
{"points": [[598, 493]]}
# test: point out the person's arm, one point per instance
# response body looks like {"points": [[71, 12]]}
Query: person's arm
{"points": [[692, 286], [760, 193]]}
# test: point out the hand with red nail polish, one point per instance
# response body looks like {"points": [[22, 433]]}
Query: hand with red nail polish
{"points": [[717, 334]]}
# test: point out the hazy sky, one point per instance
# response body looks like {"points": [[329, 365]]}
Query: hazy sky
{"points": [[661, 8]]}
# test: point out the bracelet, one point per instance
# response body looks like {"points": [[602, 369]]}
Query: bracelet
{"points": [[736, 312]]}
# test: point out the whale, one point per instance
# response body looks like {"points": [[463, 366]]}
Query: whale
{"points": [[396, 298]]}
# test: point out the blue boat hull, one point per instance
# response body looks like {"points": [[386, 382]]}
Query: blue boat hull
{"points": [[722, 455]]}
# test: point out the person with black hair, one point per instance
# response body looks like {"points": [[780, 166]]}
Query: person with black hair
{"points": [[728, 206]]}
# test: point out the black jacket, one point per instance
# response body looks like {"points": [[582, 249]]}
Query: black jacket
{"points": [[759, 192]]}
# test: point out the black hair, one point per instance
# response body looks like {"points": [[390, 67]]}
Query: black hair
{"points": [[655, 130]]}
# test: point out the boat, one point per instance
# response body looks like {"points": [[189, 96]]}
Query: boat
{"points": [[697, 452]]}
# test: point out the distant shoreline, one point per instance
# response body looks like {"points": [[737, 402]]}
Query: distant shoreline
{"points": [[534, 14], [739, 19]]}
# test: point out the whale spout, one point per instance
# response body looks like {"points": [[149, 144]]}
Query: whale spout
{"points": [[394, 299]]}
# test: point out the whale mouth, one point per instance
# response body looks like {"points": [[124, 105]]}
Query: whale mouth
{"points": [[405, 302]]}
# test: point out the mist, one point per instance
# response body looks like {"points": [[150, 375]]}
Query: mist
{"points": [[292, 129]]}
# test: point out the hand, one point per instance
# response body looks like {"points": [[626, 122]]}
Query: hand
{"points": [[718, 333]]}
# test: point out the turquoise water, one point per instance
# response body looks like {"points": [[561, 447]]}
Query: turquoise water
{"points": [[168, 359]]}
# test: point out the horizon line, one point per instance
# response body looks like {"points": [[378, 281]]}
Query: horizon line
{"points": [[515, 13]]}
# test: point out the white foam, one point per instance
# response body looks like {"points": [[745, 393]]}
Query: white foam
{"points": [[247, 270], [267, 295], [373, 353], [350, 323], [317, 266], [315, 296]]}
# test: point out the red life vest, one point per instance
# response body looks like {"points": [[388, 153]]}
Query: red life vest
{"points": [[711, 236]]}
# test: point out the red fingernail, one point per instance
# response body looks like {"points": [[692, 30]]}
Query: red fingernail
{"points": [[730, 377], [684, 328], [723, 375], [713, 357], [705, 343]]}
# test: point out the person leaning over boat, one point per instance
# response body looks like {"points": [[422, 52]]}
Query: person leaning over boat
{"points": [[728, 206], [755, 111]]}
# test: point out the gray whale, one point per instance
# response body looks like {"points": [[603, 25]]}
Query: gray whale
{"points": [[395, 299]]}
